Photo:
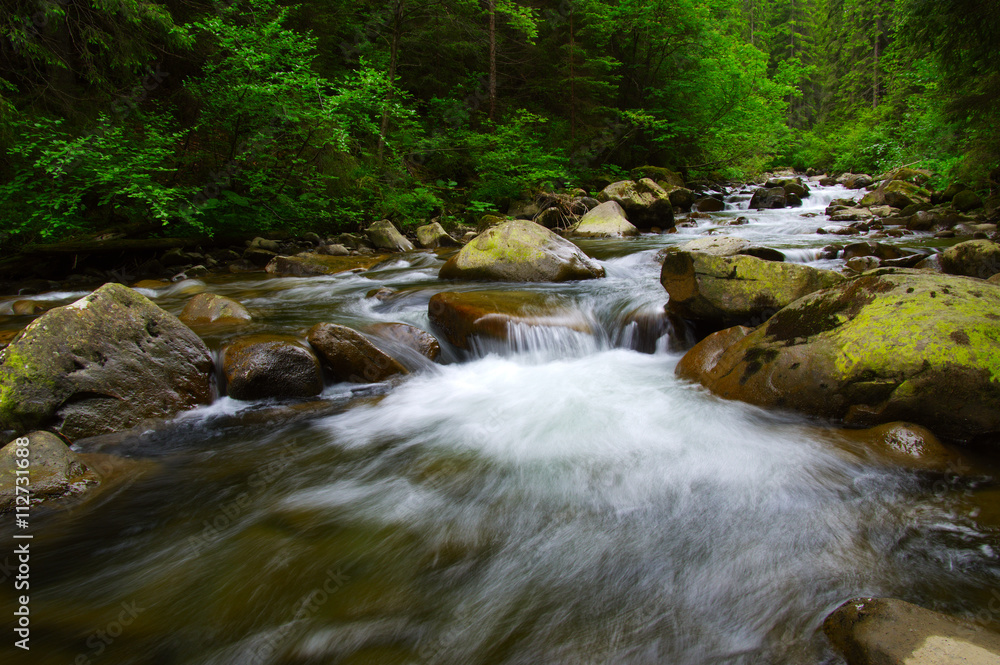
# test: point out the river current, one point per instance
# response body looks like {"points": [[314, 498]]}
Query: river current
{"points": [[560, 498]]}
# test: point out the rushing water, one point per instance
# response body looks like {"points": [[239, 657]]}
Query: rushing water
{"points": [[560, 498]]}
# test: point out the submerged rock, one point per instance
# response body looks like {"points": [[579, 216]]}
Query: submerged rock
{"points": [[351, 356], [207, 308], [723, 291], [102, 364], [607, 220], [490, 314], [887, 631], [55, 469], [901, 444], [262, 366], [520, 251], [890, 345]]}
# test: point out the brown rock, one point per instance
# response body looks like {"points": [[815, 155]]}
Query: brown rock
{"points": [[409, 336], [262, 366], [207, 308], [351, 356]]}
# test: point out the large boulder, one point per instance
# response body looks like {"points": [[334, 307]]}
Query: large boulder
{"points": [[102, 364], [896, 193], [966, 200], [722, 291], [262, 366], [767, 198], [973, 258], [520, 251], [605, 221], [682, 198], [646, 204], [462, 317], [890, 345], [351, 356], [433, 235], [709, 204], [209, 308], [309, 264], [887, 631], [383, 235], [663, 177], [857, 180]]}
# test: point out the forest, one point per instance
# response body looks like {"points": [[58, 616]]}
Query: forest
{"points": [[190, 117]]}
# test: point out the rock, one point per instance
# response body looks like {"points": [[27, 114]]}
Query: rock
{"points": [[646, 204], [102, 364], [682, 198], [966, 200], [828, 181], [887, 631], [519, 210], [704, 356], [898, 194], [520, 251], [949, 193], [258, 257], [717, 245], [28, 307], [605, 221], [55, 469], [765, 253], [383, 235], [462, 317], [381, 294], [659, 175], [723, 291], [551, 218], [836, 230], [892, 344], [870, 248], [973, 258], [409, 336], [900, 444], [863, 263], [266, 245], [310, 264], [206, 308], [906, 174], [768, 199], [262, 366], [351, 356], [433, 236], [883, 211], [709, 204], [335, 249], [152, 284], [995, 279], [852, 215], [489, 221], [857, 180]]}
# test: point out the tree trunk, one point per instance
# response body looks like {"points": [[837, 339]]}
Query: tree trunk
{"points": [[493, 60], [397, 28]]}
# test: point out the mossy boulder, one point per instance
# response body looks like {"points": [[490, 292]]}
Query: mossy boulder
{"points": [[433, 235], [890, 345], [682, 198], [966, 200], [209, 308], [607, 220], [664, 177], [973, 258], [897, 194], [722, 291], [102, 364], [262, 366], [309, 264], [646, 204], [887, 631], [520, 251], [383, 235], [351, 356], [462, 317]]}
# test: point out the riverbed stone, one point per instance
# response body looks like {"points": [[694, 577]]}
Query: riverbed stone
{"points": [[901, 444], [890, 345], [646, 204], [723, 291], [351, 356], [102, 364], [768, 198], [55, 469], [896, 193], [682, 198], [973, 258], [966, 201], [432, 236], [309, 264], [209, 308], [29, 307], [520, 251], [383, 235], [459, 317], [262, 366], [607, 220], [409, 336], [888, 631]]}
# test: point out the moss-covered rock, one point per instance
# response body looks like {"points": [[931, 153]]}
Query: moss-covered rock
{"points": [[887, 631], [682, 198], [209, 308], [890, 345], [520, 251], [646, 204], [351, 356], [432, 236], [383, 235], [607, 220], [102, 364], [661, 176], [262, 366], [898, 194], [308, 264], [973, 258], [966, 200], [722, 291], [461, 317]]}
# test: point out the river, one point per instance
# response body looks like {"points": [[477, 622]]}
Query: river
{"points": [[558, 499]]}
